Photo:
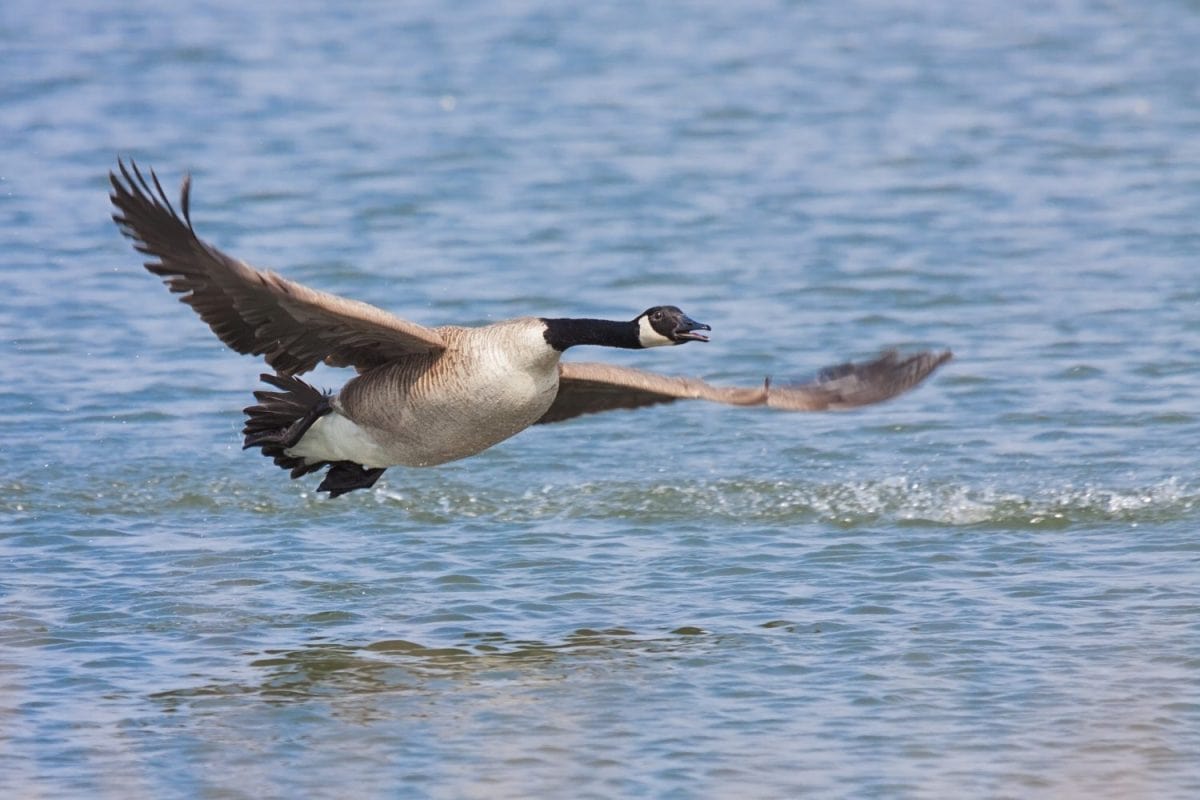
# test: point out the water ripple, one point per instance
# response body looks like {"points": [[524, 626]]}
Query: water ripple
{"points": [[985, 588]]}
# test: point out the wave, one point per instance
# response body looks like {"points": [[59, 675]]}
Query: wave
{"points": [[897, 500], [442, 499]]}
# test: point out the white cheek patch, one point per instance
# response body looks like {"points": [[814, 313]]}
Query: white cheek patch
{"points": [[648, 337]]}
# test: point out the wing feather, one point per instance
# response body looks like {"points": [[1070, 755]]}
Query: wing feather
{"points": [[255, 311], [855, 384], [590, 388]]}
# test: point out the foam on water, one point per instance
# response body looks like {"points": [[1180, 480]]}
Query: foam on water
{"points": [[849, 504]]}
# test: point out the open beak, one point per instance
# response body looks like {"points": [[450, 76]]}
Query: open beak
{"points": [[686, 331]]}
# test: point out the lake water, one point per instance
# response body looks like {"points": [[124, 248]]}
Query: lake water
{"points": [[987, 588]]}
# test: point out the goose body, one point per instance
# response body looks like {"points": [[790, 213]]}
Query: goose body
{"points": [[424, 396], [411, 412]]}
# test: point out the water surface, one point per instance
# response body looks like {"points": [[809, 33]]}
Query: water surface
{"points": [[988, 587]]}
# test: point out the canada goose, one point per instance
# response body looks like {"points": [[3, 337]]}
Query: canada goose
{"points": [[425, 396]]}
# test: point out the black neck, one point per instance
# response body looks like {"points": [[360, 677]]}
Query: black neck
{"points": [[564, 333]]}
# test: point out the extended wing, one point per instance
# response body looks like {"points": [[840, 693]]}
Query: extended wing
{"points": [[254, 311], [586, 388]]}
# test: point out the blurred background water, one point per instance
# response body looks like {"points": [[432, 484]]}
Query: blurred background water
{"points": [[988, 587]]}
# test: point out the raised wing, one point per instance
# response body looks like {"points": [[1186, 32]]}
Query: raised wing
{"points": [[586, 388], [254, 311]]}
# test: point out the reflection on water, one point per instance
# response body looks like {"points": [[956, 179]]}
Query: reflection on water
{"points": [[323, 669]]}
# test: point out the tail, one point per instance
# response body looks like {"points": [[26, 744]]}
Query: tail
{"points": [[279, 422]]}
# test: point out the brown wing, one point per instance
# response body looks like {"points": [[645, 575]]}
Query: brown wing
{"points": [[858, 384], [591, 388], [254, 311]]}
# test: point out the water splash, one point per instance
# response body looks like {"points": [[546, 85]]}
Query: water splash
{"points": [[846, 503]]}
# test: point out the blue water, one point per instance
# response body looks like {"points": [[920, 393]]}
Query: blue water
{"points": [[987, 588]]}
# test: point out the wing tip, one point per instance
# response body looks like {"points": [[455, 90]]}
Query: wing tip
{"points": [[855, 384], [131, 193]]}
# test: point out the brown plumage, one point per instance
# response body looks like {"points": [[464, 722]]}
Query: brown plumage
{"points": [[423, 395], [254, 311], [586, 388]]}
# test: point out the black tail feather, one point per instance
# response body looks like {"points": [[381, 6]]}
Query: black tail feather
{"points": [[297, 403], [281, 419]]}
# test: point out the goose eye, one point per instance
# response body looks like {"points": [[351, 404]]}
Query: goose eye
{"points": [[656, 316]]}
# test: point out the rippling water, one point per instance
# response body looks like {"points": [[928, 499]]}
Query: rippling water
{"points": [[989, 587]]}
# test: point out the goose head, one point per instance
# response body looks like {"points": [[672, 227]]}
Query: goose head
{"points": [[663, 325]]}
